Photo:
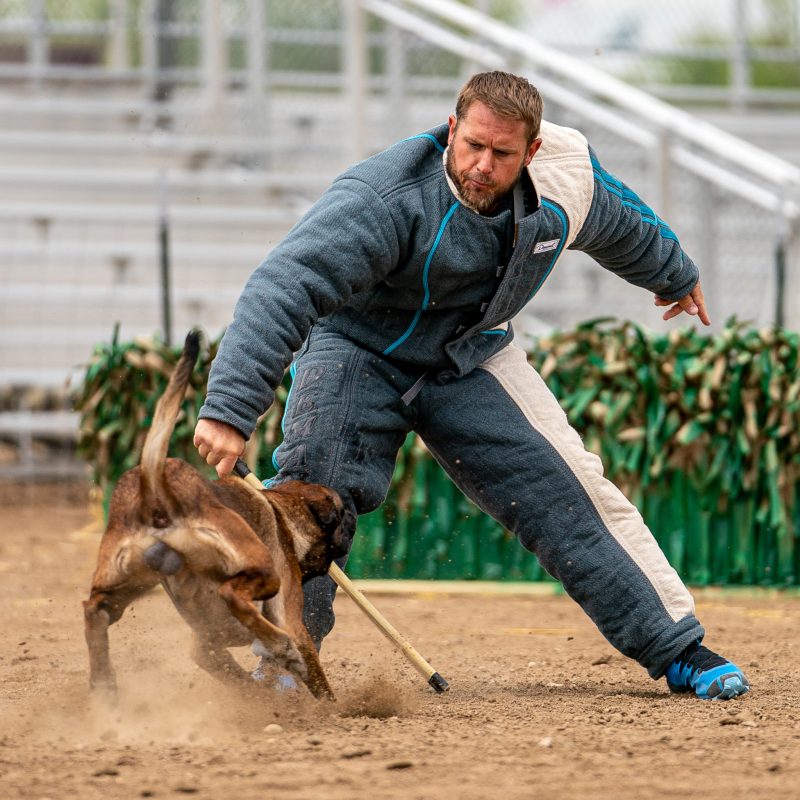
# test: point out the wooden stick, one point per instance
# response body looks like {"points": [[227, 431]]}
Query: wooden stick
{"points": [[435, 680]]}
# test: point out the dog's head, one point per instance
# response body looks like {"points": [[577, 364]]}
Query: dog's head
{"points": [[327, 529]]}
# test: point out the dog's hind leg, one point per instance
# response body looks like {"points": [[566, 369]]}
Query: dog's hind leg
{"points": [[216, 660], [238, 592], [103, 608]]}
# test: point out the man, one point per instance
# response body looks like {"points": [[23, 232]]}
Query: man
{"points": [[394, 294]]}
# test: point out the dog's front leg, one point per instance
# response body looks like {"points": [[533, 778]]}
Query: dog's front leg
{"points": [[238, 592], [316, 681]]}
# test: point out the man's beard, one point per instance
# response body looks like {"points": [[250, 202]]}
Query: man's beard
{"points": [[482, 202]]}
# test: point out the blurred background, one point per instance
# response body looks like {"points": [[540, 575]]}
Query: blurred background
{"points": [[153, 151]]}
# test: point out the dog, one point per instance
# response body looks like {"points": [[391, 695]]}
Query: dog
{"points": [[217, 548]]}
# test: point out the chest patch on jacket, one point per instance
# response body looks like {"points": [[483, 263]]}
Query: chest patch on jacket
{"points": [[544, 247]]}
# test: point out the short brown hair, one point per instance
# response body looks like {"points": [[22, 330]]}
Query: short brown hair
{"points": [[508, 95]]}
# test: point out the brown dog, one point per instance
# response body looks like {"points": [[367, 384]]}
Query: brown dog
{"points": [[217, 548]]}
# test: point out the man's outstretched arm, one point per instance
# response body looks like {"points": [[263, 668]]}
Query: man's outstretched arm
{"points": [[625, 236]]}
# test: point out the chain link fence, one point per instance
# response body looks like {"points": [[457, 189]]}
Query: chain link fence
{"points": [[240, 112], [721, 51]]}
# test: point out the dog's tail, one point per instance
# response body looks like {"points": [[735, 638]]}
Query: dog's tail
{"points": [[154, 452]]}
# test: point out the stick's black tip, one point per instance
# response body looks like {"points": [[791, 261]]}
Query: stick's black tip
{"points": [[439, 684], [241, 468]]}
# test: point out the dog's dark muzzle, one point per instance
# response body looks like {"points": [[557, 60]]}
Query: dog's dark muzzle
{"points": [[343, 537], [349, 524]]}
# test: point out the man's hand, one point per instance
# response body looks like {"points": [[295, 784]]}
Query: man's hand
{"points": [[219, 444], [693, 303]]}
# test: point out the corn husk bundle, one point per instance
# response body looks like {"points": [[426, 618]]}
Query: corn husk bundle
{"points": [[702, 433]]}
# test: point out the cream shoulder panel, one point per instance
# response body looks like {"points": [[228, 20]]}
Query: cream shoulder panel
{"points": [[562, 172]]}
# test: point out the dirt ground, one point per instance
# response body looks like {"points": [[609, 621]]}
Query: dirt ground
{"points": [[540, 705]]}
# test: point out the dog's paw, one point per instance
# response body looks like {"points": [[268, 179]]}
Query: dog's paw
{"points": [[103, 692]]}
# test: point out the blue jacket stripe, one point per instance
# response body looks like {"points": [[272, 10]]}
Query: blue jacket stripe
{"points": [[426, 136], [631, 200], [565, 231], [644, 210], [292, 372], [427, 295]]}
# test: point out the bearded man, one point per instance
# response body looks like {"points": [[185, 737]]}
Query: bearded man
{"points": [[393, 298]]}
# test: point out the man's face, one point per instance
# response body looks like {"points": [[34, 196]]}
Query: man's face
{"points": [[487, 154]]}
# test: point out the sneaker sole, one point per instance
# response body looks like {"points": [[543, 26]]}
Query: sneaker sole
{"points": [[731, 687]]}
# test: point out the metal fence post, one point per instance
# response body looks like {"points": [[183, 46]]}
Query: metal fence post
{"points": [[787, 274], [780, 283], [119, 56], [354, 44], [39, 43], [793, 277], [215, 59], [739, 57], [164, 257]]}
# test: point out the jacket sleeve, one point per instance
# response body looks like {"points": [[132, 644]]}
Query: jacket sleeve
{"points": [[346, 242], [626, 237]]}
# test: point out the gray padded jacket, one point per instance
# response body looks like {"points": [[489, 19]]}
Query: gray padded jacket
{"points": [[391, 258]]}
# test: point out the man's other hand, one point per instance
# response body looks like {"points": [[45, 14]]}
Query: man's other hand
{"points": [[219, 444], [693, 303]]}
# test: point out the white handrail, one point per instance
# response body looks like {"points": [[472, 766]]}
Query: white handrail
{"points": [[473, 52], [727, 180], [448, 41], [664, 116]]}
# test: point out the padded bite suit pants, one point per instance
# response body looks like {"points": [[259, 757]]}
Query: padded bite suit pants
{"points": [[506, 443]]}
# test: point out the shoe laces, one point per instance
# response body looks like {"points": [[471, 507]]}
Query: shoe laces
{"points": [[698, 658]]}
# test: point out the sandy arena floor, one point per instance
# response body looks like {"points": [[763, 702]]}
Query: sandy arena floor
{"points": [[541, 706]]}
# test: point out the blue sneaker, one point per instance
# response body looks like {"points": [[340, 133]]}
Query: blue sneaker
{"points": [[710, 676], [281, 681]]}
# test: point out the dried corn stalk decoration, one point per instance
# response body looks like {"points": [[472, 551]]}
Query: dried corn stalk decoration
{"points": [[702, 433]]}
